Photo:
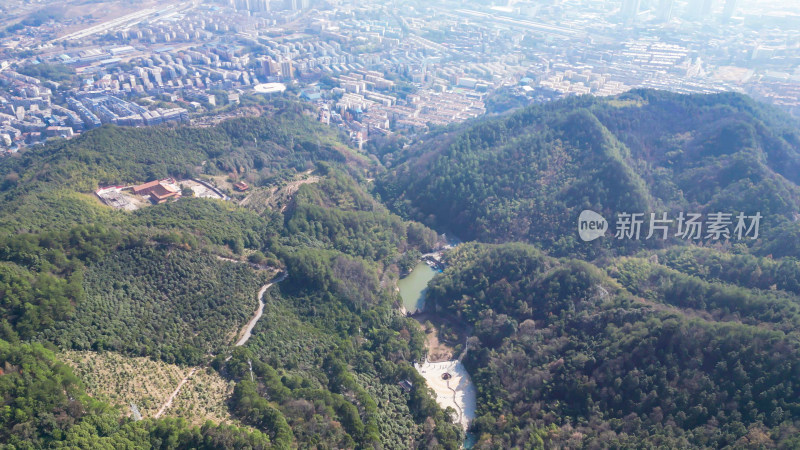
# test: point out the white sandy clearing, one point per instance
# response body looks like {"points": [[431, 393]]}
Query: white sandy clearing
{"points": [[458, 392]]}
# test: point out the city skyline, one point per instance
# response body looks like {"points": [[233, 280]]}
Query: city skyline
{"points": [[382, 67]]}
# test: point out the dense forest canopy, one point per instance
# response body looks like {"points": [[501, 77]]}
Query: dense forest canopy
{"points": [[573, 344], [178, 281], [563, 354], [526, 176], [618, 343]]}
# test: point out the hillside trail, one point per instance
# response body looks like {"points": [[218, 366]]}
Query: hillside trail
{"points": [[175, 393], [245, 334], [248, 329]]}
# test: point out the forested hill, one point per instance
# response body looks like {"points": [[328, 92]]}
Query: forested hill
{"points": [[618, 344], [177, 282], [628, 354], [676, 347], [260, 149], [527, 175]]}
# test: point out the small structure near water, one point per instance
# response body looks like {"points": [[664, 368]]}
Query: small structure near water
{"points": [[435, 261]]}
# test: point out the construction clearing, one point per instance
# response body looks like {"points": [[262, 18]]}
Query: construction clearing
{"points": [[131, 198], [120, 198], [278, 198], [202, 189]]}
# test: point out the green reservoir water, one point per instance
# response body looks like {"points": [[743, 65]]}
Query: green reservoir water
{"points": [[412, 287]]}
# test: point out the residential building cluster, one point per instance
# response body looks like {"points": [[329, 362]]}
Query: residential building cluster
{"points": [[383, 66]]}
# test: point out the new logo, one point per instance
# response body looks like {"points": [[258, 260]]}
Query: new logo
{"points": [[591, 225]]}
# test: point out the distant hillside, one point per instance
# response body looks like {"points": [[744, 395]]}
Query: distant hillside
{"points": [[527, 176]]}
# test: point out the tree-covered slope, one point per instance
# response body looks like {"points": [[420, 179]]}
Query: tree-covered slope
{"points": [[677, 346], [50, 179], [564, 355], [527, 175], [45, 406], [178, 281], [175, 305], [338, 213]]}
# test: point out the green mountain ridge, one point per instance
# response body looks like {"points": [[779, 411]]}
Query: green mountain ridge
{"points": [[618, 344], [575, 345], [526, 176]]}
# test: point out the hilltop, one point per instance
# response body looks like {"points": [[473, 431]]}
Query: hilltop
{"points": [[527, 175]]}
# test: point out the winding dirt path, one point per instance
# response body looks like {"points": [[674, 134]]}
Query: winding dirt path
{"points": [[245, 335], [175, 393], [247, 331]]}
